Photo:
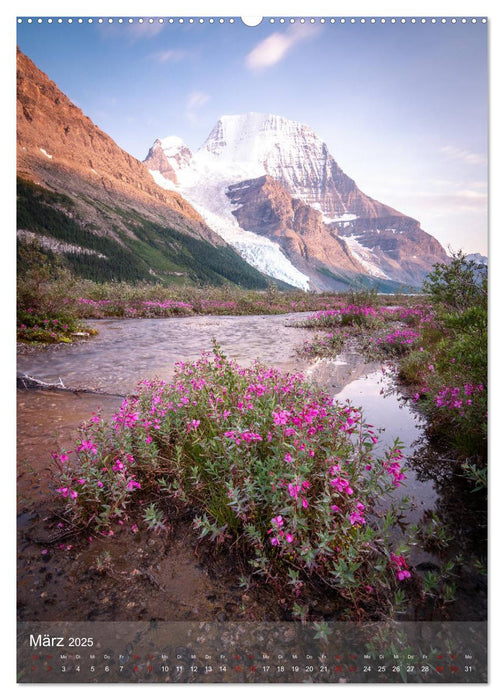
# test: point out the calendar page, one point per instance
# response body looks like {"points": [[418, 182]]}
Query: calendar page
{"points": [[252, 349]]}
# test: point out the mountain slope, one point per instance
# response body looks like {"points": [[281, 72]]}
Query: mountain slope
{"points": [[346, 232], [78, 188], [263, 205]]}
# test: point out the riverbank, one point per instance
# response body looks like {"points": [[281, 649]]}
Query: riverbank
{"points": [[52, 310]]}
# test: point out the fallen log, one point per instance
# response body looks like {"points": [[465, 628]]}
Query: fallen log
{"points": [[26, 382]]}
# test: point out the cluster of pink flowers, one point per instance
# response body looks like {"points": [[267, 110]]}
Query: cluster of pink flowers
{"points": [[110, 476], [345, 310], [167, 304], [415, 311], [269, 444], [87, 445], [339, 483], [353, 309], [245, 436], [356, 516], [405, 313], [93, 303], [296, 489], [61, 458], [453, 397], [126, 418], [342, 485], [400, 336], [132, 484], [66, 493], [393, 466], [279, 534], [400, 566]]}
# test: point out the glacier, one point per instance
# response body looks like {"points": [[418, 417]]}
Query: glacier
{"points": [[205, 188]]}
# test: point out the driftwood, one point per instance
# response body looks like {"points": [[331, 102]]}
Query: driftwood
{"points": [[27, 382]]}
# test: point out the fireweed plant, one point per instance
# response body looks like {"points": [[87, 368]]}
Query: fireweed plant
{"points": [[448, 363], [380, 332], [272, 467], [344, 314]]}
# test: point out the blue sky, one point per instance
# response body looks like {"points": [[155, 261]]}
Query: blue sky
{"points": [[402, 107]]}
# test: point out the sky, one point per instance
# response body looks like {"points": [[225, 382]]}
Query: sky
{"points": [[401, 106]]}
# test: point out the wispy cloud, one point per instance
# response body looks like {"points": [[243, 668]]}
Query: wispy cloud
{"points": [[195, 102], [170, 55], [463, 155], [276, 46]]}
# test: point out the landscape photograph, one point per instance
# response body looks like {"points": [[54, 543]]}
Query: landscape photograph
{"points": [[251, 317]]}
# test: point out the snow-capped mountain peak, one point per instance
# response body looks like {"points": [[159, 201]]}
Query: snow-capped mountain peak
{"points": [[172, 145], [339, 229], [255, 137], [177, 153], [267, 144]]}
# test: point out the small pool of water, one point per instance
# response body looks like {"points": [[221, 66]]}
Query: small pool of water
{"points": [[370, 387]]}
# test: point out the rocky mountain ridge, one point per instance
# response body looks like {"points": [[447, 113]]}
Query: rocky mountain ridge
{"points": [[346, 233]]}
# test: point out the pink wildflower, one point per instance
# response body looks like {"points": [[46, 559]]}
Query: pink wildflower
{"points": [[132, 485], [399, 564], [87, 445], [281, 417]]}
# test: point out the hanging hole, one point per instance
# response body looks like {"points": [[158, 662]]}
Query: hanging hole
{"points": [[252, 21]]}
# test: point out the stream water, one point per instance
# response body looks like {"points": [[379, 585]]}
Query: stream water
{"points": [[127, 350]]}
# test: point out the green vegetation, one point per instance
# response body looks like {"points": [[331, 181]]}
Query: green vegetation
{"points": [[48, 328], [157, 252], [440, 349], [449, 364]]}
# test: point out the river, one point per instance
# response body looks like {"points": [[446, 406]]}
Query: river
{"points": [[101, 370]]}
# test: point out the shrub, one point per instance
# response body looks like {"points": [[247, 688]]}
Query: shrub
{"points": [[450, 365], [270, 465], [457, 285]]}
